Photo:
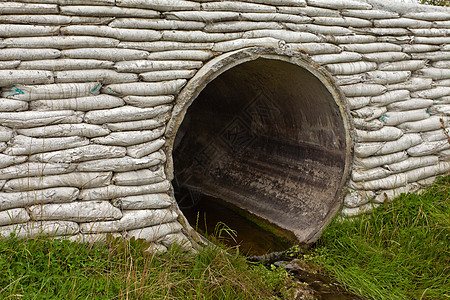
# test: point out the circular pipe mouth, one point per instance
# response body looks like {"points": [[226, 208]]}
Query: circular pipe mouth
{"points": [[269, 137]]}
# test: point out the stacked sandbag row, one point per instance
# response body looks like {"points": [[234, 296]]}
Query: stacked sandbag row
{"points": [[87, 88]]}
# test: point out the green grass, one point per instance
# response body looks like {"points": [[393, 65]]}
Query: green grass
{"points": [[399, 251], [44, 268]]}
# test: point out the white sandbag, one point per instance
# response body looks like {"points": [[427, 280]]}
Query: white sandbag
{"points": [[443, 109], [45, 19], [419, 48], [165, 45], [139, 177], [308, 11], [343, 57], [352, 39], [13, 216], [441, 64], [433, 93], [418, 174], [80, 104], [24, 145], [11, 64], [349, 79], [428, 15], [444, 155], [122, 164], [427, 148], [435, 135], [410, 104], [13, 77], [113, 191], [244, 43], [390, 182], [21, 30], [412, 163], [52, 91], [195, 55], [10, 105], [342, 21], [27, 8], [397, 117], [178, 239], [357, 102], [287, 36], [415, 84], [160, 5], [380, 160], [59, 42], [146, 88], [371, 174], [3, 146], [388, 195], [382, 57], [155, 248], [363, 89], [432, 40], [110, 54], [443, 82], [140, 124], [156, 23], [402, 22], [442, 24], [371, 47], [432, 56], [150, 201], [315, 48], [340, 4], [237, 26], [432, 123], [203, 16], [132, 219], [7, 160], [28, 119], [124, 113], [369, 113], [42, 228], [198, 36], [369, 14], [80, 154], [365, 125], [435, 73], [86, 211], [390, 34], [141, 150], [433, 32], [390, 97], [357, 198], [6, 134], [386, 133], [129, 138], [407, 65], [319, 29], [24, 199], [442, 100], [154, 233], [65, 64], [238, 6], [387, 77], [28, 54], [351, 68], [121, 34], [356, 211], [283, 17], [406, 141], [104, 76], [82, 180], [167, 75], [107, 11], [30, 169]]}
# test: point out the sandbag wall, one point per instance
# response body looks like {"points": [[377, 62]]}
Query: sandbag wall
{"points": [[88, 86]]}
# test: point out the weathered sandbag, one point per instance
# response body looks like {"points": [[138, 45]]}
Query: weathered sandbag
{"points": [[140, 66], [432, 56], [129, 138], [432, 40], [397, 117], [244, 43], [380, 160], [442, 100], [386, 133], [442, 24], [158, 24], [435, 135], [357, 198], [415, 84], [122, 164], [24, 145], [410, 104], [441, 64], [351, 39], [125, 113], [443, 82], [319, 29], [75, 179], [27, 8], [59, 42], [5, 134], [412, 163], [371, 174], [358, 102], [28, 119], [369, 14], [406, 141], [365, 125], [427, 148], [343, 57], [3, 146], [199, 36], [24, 199], [104, 76], [387, 77], [146, 88], [30, 169], [149, 201], [80, 154], [158, 121], [444, 155], [349, 79], [167, 75], [85, 211], [154, 233], [363, 89], [52, 91], [121, 34], [284, 17], [114, 191], [20, 30], [382, 57], [10, 105], [237, 26], [371, 47], [433, 93], [51, 19], [428, 15], [178, 239], [202, 16], [407, 65], [309, 11], [340, 4], [107, 11], [402, 22], [390, 97], [435, 73], [443, 109], [110, 54], [13, 77], [160, 5], [287, 36], [238, 6], [351, 68], [13, 216], [33, 229], [28, 54], [342, 21], [315, 48], [65, 64], [139, 177], [80, 104], [132, 219], [8, 160], [141, 150], [419, 48], [11, 64], [432, 123], [369, 113], [165, 45], [388, 195], [392, 34]]}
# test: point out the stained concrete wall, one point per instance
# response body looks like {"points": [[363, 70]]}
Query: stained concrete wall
{"points": [[88, 89]]}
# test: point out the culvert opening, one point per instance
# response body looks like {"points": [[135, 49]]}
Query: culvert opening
{"points": [[267, 137]]}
